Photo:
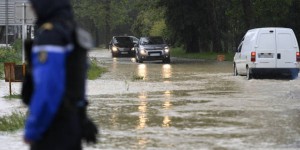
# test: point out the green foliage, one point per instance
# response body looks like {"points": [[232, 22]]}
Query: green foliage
{"points": [[12, 122], [200, 26], [149, 16], [137, 77], [17, 45], [271, 12], [13, 96], [219, 25], [158, 28], [103, 16], [8, 55], [95, 71]]}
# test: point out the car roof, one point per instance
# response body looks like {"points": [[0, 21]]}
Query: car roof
{"points": [[120, 36]]}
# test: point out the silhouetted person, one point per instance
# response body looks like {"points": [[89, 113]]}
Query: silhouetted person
{"points": [[57, 106]]}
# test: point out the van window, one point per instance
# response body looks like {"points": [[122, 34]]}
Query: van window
{"points": [[266, 41], [285, 41], [240, 47]]}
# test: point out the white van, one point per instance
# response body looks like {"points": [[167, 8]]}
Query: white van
{"points": [[271, 51]]}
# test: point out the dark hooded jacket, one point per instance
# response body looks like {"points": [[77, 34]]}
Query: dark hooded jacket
{"points": [[51, 47], [49, 10]]}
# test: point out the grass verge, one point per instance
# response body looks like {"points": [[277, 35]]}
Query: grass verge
{"points": [[179, 52], [95, 71], [13, 96], [137, 77], [12, 122]]}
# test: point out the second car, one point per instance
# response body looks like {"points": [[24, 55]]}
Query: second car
{"points": [[121, 46], [152, 48]]}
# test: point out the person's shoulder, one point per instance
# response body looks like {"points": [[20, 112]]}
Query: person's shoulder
{"points": [[51, 34]]}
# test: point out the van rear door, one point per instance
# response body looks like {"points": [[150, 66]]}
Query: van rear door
{"points": [[286, 48], [266, 48]]}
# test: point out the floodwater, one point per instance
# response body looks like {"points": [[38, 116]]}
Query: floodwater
{"points": [[192, 105], [187, 105]]}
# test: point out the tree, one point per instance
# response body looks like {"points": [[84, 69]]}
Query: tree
{"points": [[182, 19], [248, 13], [200, 26], [149, 18], [292, 21], [102, 15]]}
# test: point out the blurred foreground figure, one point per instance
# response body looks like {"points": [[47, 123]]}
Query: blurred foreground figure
{"points": [[54, 88]]}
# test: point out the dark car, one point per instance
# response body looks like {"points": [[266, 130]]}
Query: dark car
{"points": [[121, 45], [152, 48]]}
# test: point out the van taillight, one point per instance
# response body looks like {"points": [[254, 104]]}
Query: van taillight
{"points": [[253, 56], [298, 56]]}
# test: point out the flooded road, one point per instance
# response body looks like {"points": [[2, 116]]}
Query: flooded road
{"points": [[191, 105]]}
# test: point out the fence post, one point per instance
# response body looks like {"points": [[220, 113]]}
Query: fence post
{"points": [[9, 79]]}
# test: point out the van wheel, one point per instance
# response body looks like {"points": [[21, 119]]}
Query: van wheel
{"points": [[235, 72], [249, 74]]}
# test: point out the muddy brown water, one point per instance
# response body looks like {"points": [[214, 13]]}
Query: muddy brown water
{"points": [[191, 104]]}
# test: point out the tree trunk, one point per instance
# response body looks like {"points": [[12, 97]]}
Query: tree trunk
{"points": [[192, 40], [107, 23], [248, 11], [215, 31], [97, 36]]}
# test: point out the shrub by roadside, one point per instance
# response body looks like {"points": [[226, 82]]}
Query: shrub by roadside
{"points": [[13, 54], [95, 71], [13, 96], [12, 122]]}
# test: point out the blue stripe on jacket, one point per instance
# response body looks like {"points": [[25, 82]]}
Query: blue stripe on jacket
{"points": [[49, 86]]}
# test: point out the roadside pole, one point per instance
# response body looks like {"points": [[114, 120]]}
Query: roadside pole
{"points": [[6, 23], [23, 33]]}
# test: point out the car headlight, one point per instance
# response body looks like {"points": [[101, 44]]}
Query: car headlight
{"points": [[114, 48], [143, 51], [167, 50], [132, 49]]}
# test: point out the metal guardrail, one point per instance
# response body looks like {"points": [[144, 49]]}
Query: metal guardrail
{"points": [[10, 12], [10, 15]]}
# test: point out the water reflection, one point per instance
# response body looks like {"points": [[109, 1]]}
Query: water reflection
{"points": [[142, 142], [142, 70], [114, 120], [115, 63], [143, 111], [166, 71], [132, 59], [167, 106]]}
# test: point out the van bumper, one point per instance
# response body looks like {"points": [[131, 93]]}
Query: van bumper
{"points": [[275, 71]]}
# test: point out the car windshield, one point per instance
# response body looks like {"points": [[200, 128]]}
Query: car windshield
{"points": [[134, 39], [152, 40], [123, 40]]}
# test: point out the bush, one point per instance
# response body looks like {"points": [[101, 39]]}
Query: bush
{"points": [[13, 96], [12, 122], [95, 71], [17, 45], [9, 55]]}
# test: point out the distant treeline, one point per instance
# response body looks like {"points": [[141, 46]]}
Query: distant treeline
{"points": [[197, 25]]}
